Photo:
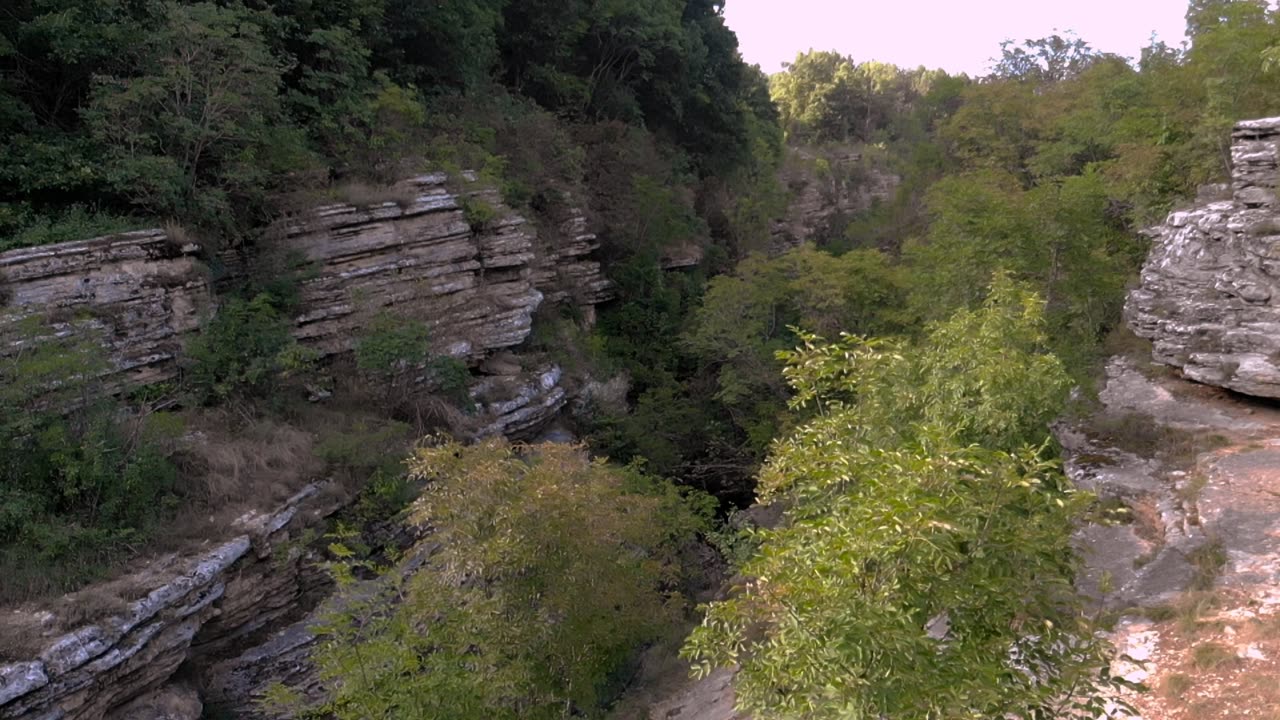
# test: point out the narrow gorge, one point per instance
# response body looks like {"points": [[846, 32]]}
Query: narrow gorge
{"points": [[547, 359]]}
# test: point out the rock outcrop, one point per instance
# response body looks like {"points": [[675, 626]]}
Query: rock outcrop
{"points": [[476, 288], [192, 610], [1184, 545], [828, 186], [473, 287], [1209, 299], [516, 405], [141, 293], [563, 269], [235, 617]]}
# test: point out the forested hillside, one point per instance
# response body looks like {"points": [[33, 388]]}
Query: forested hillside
{"points": [[940, 330]]}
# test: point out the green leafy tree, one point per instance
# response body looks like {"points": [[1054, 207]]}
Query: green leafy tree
{"points": [[198, 123], [1058, 236], [924, 568], [827, 97], [1045, 60], [552, 571], [748, 316]]}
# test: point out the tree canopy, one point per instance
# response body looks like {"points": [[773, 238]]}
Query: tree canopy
{"points": [[923, 568]]}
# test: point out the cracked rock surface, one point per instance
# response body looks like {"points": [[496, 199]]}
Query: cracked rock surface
{"points": [[1209, 298]]}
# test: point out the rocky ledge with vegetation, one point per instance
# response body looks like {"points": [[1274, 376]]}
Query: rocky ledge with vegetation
{"points": [[810, 331]]}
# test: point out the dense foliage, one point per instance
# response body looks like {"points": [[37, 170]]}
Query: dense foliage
{"points": [[924, 568], [75, 487], [205, 111], [826, 97], [552, 570], [1046, 168], [219, 117]]}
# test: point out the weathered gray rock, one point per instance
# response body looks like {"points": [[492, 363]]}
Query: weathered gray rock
{"points": [[474, 290], [846, 184], [517, 406], [237, 685], [1209, 299], [141, 293], [1191, 477], [199, 607], [563, 269], [145, 294]]}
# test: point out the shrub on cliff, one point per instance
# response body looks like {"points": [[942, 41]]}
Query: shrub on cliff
{"points": [[552, 571], [81, 478], [242, 351]]}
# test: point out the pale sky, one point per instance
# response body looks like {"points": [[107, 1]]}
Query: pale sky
{"points": [[955, 35]]}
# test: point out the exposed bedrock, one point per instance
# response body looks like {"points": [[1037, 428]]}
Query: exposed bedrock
{"points": [[144, 294], [1209, 297]]}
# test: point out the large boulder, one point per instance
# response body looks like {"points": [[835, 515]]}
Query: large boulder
{"points": [[1209, 299]]}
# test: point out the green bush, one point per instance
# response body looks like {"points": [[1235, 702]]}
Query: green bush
{"points": [[552, 572], [81, 483], [452, 377], [478, 213], [75, 223], [241, 351], [391, 345]]}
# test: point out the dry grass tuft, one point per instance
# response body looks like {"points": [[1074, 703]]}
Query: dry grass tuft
{"points": [[1175, 686], [263, 462], [1189, 612], [1212, 655]]}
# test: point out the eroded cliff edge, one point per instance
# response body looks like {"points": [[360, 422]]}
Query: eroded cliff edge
{"points": [[224, 621], [1209, 298], [145, 294], [1183, 450]]}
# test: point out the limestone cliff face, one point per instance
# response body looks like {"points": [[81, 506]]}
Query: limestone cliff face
{"points": [[477, 288], [236, 616], [474, 289], [145, 293], [1210, 293], [828, 185]]}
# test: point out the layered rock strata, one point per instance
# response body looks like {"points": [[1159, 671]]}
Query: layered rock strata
{"points": [[1209, 298], [237, 618], [828, 185], [564, 270], [475, 287], [192, 609], [140, 293]]}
